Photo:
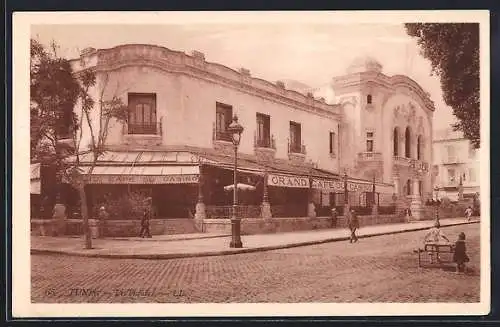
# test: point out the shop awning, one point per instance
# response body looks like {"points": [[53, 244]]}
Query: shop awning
{"points": [[35, 178], [167, 174]]}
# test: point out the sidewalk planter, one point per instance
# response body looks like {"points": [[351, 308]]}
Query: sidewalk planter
{"points": [[95, 228]]}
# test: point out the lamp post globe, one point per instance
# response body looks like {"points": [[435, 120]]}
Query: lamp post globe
{"points": [[236, 130]]}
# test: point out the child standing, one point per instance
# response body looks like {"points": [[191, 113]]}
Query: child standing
{"points": [[460, 255], [468, 213]]}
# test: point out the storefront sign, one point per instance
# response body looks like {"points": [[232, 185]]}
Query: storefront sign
{"points": [[287, 181], [338, 186], [143, 179]]}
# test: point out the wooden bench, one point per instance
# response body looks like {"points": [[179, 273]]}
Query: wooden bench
{"points": [[434, 250]]}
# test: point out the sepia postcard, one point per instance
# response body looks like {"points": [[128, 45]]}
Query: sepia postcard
{"points": [[186, 164]]}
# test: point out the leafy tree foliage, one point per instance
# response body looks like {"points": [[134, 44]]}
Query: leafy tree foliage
{"points": [[61, 108], [53, 94], [453, 50]]}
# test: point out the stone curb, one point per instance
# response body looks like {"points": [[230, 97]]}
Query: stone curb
{"points": [[166, 240], [228, 252]]}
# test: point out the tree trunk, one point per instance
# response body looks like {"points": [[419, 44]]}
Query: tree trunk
{"points": [[85, 216]]}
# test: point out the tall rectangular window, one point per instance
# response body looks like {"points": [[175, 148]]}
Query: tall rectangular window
{"points": [[263, 137], [295, 138], [142, 113], [332, 142], [369, 141], [224, 116]]}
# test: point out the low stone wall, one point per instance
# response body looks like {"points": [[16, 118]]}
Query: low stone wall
{"points": [[157, 227], [451, 211], [112, 228], [280, 225], [47, 227]]}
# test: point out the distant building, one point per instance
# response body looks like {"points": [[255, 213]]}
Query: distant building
{"points": [[455, 162], [295, 148]]}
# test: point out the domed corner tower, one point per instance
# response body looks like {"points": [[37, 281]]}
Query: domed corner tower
{"points": [[361, 93]]}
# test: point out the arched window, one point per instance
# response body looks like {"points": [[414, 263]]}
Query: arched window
{"points": [[407, 143], [419, 147], [396, 142], [369, 99], [408, 187]]}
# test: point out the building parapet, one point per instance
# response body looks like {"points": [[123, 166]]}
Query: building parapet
{"points": [[196, 65]]}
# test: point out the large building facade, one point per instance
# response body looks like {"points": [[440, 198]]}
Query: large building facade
{"points": [[297, 148], [456, 165]]}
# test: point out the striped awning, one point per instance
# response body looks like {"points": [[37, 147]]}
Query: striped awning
{"points": [[35, 178], [174, 174]]}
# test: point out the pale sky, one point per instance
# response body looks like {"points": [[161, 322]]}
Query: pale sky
{"points": [[311, 54]]}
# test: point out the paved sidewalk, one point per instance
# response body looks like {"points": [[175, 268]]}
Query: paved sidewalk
{"points": [[197, 245]]}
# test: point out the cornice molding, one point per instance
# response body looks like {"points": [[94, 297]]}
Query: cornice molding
{"points": [[344, 84], [195, 66]]}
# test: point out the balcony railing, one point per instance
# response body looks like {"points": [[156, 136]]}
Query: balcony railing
{"points": [[265, 142], [403, 161], [144, 128], [369, 156], [218, 135], [296, 148], [223, 136], [420, 165]]}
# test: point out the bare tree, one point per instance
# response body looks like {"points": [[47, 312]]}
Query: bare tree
{"points": [[108, 109]]}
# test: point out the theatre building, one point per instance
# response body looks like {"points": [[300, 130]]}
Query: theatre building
{"points": [[298, 151]]}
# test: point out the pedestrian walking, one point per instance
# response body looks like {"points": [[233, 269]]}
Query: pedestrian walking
{"points": [[353, 224], [460, 256], [145, 232], [468, 213], [408, 214]]}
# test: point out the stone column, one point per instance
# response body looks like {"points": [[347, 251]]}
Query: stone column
{"points": [[59, 217], [265, 208], [311, 209], [396, 186], [200, 213], [416, 202]]}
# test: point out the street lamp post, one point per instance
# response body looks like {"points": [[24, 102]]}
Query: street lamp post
{"points": [[374, 204], [235, 129], [346, 194], [436, 204]]}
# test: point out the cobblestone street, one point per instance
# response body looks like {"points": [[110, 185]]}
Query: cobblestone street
{"points": [[376, 269]]}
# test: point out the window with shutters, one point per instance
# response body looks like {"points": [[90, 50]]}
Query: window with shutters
{"points": [[263, 137], [142, 114], [224, 116]]}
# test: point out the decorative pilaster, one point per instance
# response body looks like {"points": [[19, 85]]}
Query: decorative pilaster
{"points": [[416, 202], [311, 209], [200, 213], [265, 208], [59, 217], [461, 189]]}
